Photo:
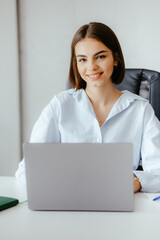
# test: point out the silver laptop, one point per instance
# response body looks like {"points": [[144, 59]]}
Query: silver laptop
{"points": [[79, 176]]}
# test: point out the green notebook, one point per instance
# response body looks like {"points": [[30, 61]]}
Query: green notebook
{"points": [[6, 202]]}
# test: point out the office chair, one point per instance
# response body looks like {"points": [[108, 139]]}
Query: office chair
{"points": [[145, 83]]}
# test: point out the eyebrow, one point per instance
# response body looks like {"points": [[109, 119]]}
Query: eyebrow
{"points": [[102, 51]]}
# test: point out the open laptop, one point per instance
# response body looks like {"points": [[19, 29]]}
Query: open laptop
{"points": [[79, 176]]}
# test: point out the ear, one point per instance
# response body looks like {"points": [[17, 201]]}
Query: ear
{"points": [[116, 59], [115, 63]]}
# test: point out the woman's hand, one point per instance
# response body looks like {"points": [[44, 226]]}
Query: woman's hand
{"points": [[137, 184]]}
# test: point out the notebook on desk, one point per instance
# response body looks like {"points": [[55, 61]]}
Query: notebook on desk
{"points": [[79, 176]]}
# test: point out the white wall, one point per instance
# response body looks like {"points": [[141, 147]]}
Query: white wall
{"points": [[47, 28], [9, 89]]}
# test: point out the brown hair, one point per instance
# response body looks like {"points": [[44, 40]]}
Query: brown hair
{"points": [[104, 34]]}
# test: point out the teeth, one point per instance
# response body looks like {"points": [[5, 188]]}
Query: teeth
{"points": [[96, 75]]}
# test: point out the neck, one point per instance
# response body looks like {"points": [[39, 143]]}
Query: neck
{"points": [[103, 95]]}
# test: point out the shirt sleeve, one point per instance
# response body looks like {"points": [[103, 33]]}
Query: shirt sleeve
{"points": [[150, 152], [45, 130]]}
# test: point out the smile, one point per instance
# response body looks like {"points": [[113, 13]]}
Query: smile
{"points": [[97, 75]]}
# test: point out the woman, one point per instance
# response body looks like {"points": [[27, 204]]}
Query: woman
{"points": [[95, 111]]}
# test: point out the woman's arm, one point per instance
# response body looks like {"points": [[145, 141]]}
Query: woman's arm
{"points": [[44, 130], [137, 184], [150, 152]]}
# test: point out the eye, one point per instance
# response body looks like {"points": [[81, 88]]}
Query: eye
{"points": [[101, 57], [81, 60]]}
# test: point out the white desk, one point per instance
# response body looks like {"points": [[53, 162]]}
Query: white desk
{"points": [[20, 223]]}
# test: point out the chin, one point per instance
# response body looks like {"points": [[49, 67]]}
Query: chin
{"points": [[99, 84]]}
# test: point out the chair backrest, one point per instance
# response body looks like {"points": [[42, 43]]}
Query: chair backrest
{"points": [[145, 83]]}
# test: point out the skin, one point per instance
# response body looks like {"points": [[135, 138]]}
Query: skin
{"points": [[95, 63], [137, 186]]}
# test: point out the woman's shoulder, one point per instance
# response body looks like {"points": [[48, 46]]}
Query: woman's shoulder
{"points": [[130, 97], [67, 96], [66, 93], [59, 101], [132, 101], [134, 97], [140, 103]]}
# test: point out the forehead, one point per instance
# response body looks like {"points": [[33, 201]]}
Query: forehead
{"points": [[89, 46]]}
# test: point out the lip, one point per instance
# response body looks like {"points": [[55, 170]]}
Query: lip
{"points": [[95, 76]]}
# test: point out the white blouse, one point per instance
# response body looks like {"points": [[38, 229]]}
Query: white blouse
{"points": [[70, 117]]}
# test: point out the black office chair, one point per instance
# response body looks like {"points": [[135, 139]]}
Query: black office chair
{"points": [[145, 83]]}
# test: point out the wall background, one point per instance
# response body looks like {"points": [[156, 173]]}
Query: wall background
{"points": [[9, 89], [30, 77]]}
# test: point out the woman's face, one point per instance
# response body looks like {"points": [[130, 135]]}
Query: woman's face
{"points": [[95, 62]]}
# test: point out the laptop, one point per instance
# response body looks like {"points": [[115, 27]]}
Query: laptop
{"points": [[79, 176]]}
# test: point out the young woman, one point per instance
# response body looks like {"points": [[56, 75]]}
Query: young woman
{"points": [[95, 111]]}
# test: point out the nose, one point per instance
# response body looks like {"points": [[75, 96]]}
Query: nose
{"points": [[92, 65]]}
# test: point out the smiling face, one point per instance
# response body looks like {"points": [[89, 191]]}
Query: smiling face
{"points": [[95, 62]]}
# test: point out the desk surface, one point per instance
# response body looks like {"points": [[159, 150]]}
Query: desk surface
{"points": [[21, 223]]}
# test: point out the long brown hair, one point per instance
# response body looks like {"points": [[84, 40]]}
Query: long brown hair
{"points": [[104, 34]]}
